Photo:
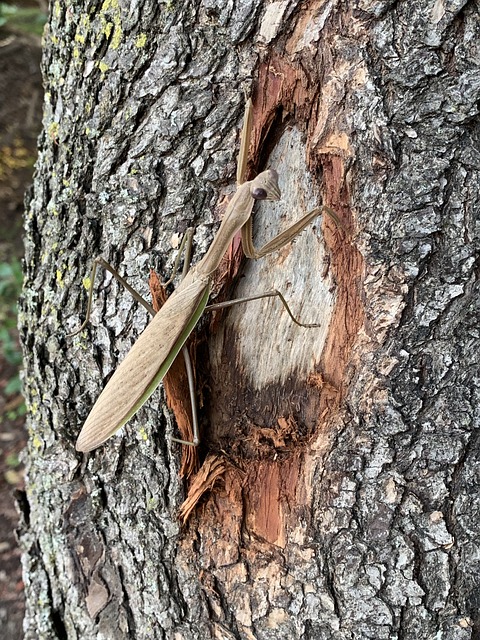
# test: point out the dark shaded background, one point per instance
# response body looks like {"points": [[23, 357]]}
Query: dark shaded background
{"points": [[21, 99]]}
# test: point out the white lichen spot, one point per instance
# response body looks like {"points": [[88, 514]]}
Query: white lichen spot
{"points": [[391, 494], [197, 165], [438, 11], [175, 240], [277, 618]]}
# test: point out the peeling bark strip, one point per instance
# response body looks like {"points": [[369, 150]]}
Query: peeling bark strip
{"points": [[344, 471], [176, 388]]}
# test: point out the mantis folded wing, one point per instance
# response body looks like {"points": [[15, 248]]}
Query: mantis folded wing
{"points": [[155, 350]]}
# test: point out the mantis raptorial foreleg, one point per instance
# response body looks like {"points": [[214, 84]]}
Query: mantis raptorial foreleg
{"points": [[288, 234], [155, 350]]}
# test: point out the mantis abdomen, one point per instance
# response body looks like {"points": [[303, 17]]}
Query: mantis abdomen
{"points": [[147, 362]]}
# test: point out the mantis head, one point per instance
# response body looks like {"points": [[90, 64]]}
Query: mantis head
{"points": [[265, 186]]}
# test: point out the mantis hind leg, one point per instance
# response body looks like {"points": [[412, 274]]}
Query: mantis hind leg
{"points": [[193, 401], [188, 364], [103, 263]]}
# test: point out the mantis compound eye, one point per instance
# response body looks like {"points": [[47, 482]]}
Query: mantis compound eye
{"points": [[259, 194]]}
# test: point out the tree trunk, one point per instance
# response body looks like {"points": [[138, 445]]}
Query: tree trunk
{"points": [[337, 495]]}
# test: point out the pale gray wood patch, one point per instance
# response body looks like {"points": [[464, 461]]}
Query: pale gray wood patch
{"points": [[269, 346]]}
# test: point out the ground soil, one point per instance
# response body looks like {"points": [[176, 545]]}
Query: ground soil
{"points": [[20, 121]]}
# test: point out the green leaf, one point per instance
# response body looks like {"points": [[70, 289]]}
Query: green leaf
{"points": [[13, 386]]}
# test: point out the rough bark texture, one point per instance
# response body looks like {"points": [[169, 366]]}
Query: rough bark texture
{"points": [[346, 496]]}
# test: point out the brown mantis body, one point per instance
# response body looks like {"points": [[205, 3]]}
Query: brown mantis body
{"points": [[155, 350]]}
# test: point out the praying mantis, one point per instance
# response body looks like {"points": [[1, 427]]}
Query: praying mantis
{"points": [[142, 370]]}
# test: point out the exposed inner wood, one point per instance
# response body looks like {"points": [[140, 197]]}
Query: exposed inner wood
{"points": [[268, 402]]}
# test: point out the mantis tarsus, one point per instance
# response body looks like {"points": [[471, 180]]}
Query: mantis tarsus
{"points": [[148, 361]]}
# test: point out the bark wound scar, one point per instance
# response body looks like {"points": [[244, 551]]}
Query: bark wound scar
{"points": [[262, 433]]}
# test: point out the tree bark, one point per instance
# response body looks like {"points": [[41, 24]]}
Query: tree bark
{"points": [[338, 496]]}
